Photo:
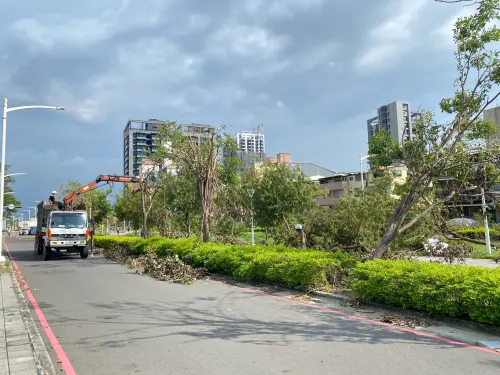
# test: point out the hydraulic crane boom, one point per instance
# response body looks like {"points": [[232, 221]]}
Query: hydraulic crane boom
{"points": [[101, 178]]}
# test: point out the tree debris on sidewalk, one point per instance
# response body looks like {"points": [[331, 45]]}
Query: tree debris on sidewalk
{"points": [[165, 268], [405, 321], [303, 298]]}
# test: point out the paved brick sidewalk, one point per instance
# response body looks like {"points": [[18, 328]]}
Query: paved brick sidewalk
{"points": [[16, 353]]}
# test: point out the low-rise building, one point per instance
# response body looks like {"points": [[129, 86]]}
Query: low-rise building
{"points": [[341, 184], [313, 171]]}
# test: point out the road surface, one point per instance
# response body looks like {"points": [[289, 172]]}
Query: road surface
{"points": [[110, 320]]}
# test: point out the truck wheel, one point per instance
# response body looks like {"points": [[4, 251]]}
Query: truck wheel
{"points": [[47, 253], [84, 252]]}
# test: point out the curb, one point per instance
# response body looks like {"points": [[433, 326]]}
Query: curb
{"points": [[42, 358], [459, 323]]}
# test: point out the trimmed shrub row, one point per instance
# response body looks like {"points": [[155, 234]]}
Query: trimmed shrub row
{"points": [[478, 233], [308, 269], [457, 291]]}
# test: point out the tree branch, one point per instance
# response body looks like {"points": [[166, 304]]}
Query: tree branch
{"points": [[425, 212]]}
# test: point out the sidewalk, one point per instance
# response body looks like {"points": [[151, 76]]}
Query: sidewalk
{"points": [[16, 353]]}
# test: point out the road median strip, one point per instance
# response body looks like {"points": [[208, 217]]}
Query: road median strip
{"points": [[465, 292]]}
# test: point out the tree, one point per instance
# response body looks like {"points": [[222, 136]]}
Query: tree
{"points": [[148, 188], [128, 207], [197, 157], [441, 150], [9, 198], [96, 201], [383, 150], [179, 196], [282, 193]]}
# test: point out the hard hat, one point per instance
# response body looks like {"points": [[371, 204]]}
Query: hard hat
{"points": [[54, 192], [298, 226]]}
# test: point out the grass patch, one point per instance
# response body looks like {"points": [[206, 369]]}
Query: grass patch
{"points": [[479, 252], [5, 267]]}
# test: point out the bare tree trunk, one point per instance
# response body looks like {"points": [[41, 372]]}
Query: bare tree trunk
{"points": [[267, 234], [205, 225], [188, 224], [205, 208], [391, 231], [144, 215]]}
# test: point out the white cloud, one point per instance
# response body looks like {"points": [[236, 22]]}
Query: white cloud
{"points": [[280, 8], [59, 30], [280, 104], [390, 40], [80, 32], [241, 40]]}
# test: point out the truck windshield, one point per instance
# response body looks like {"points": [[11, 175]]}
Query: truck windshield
{"points": [[68, 221]]}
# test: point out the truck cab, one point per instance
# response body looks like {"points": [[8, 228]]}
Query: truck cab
{"points": [[61, 230]]}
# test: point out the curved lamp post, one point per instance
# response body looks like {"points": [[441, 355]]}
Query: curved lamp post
{"points": [[2, 167]]}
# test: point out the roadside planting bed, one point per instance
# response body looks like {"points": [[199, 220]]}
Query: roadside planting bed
{"points": [[452, 290]]}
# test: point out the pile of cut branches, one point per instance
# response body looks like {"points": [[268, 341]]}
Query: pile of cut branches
{"points": [[165, 268]]}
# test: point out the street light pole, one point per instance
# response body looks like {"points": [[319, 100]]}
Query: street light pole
{"points": [[251, 192], [2, 167]]}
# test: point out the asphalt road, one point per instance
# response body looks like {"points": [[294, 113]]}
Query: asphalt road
{"points": [[110, 320]]}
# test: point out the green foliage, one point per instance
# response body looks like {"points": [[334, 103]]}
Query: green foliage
{"points": [[307, 269], [383, 150], [478, 233], [352, 220], [9, 198], [283, 193], [96, 201], [456, 291], [128, 207]]}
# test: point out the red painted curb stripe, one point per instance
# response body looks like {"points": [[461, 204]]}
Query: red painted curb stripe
{"points": [[64, 361], [362, 319]]}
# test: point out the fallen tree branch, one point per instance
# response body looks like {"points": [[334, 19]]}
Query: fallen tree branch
{"points": [[456, 236], [425, 212]]}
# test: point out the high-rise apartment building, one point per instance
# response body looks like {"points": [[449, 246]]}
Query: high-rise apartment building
{"points": [[493, 115], [139, 138], [395, 117], [251, 148]]}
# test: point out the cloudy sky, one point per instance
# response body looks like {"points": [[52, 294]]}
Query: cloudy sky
{"points": [[312, 71]]}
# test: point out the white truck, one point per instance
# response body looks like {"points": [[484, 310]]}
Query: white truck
{"points": [[59, 229]]}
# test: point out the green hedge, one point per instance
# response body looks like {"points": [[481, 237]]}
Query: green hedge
{"points": [[456, 291], [308, 269], [478, 233]]}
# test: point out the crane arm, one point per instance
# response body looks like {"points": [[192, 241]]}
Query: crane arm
{"points": [[93, 184]]}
